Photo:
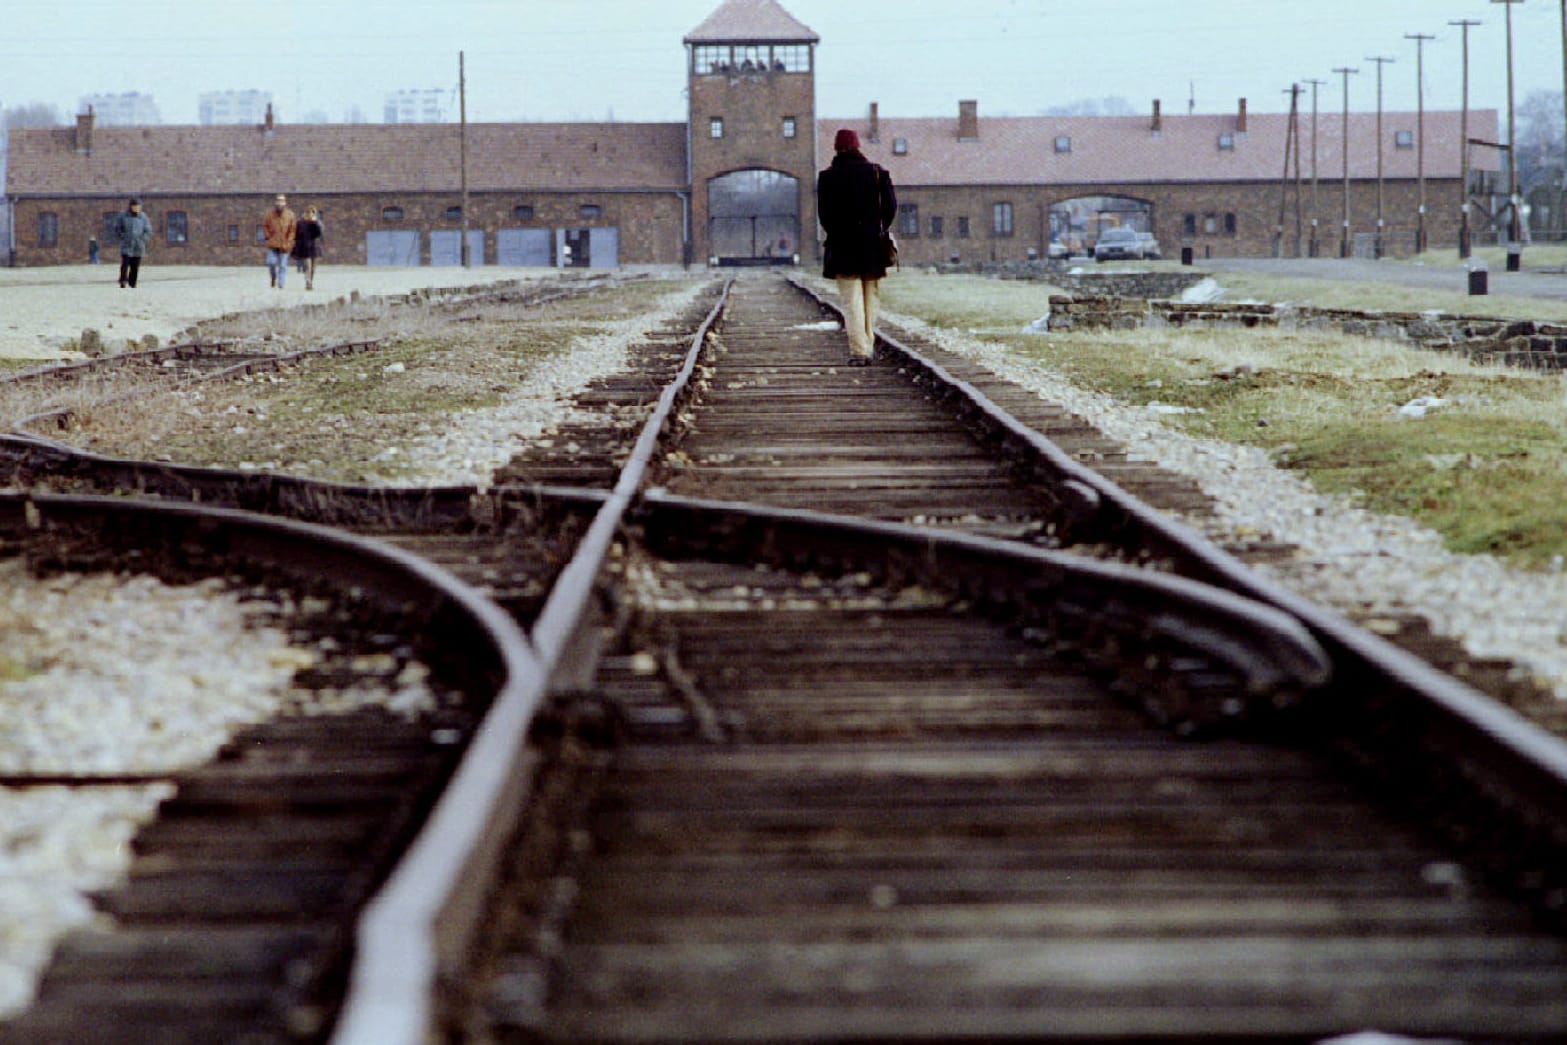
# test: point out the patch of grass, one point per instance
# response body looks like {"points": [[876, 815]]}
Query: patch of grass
{"points": [[1487, 470]]}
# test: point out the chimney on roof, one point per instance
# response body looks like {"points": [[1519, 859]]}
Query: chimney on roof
{"points": [[84, 125], [268, 124], [968, 121], [1240, 118], [874, 131], [1156, 125]]}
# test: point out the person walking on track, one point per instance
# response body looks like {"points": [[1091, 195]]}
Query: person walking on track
{"points": [[855, 203]]}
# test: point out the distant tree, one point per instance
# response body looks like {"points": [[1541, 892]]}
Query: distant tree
{"points": [[1540, 134], [36, 114], [1112, 106]]}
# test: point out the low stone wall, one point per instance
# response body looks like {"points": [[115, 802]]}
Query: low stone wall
{"points": [[1515, 342]]}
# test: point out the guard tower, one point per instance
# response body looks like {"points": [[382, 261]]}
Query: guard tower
{"points": [[752, 74]]}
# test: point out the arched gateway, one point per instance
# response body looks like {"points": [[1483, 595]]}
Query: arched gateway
{"points": [[753, 217]]}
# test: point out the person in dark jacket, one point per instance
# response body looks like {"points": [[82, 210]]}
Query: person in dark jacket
{"points": [[307, 245], [132, 230], [855, 203]]}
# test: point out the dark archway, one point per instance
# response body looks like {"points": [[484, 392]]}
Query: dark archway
{"points": [[753, 217], [1077, 222]]}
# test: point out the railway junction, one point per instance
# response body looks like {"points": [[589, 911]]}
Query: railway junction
{"points": [[764, 699]]}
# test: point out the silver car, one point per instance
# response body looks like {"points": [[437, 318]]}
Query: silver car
{"points": [[1118, 244]]}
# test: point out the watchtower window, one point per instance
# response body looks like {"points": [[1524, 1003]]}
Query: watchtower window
{"points": [[715, 127], [729, 59]]}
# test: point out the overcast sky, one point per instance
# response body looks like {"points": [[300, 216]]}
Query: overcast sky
{"points": [[623, 59]]}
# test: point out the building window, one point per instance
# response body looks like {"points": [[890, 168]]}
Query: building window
{"points": [[1210, 223], [453, 214], [900, 146], [391, 214], [176, 227], [590, 210], [1001, 219], [1226, 143], [48, 229], [715, 127], [1189, 225], [522, 213], [909, 219], [791, 58], [1229, 224], [935, 226], [963, 228], [789, 127], [111, 230], [261, 234], [1063, 143], [1404, 139], [233, 233]]}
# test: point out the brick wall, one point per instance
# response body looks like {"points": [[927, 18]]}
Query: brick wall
{"points": [[753, 107], [650, 224], [1255, 207]]}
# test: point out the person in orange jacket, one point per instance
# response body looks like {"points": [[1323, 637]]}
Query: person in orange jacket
{"points": [[278, 226]]}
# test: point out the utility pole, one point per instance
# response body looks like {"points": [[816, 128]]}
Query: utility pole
{"points": [[1515, 224], [1463, 146], [1380, 63], [1312, 248], [462, 116], [1420, 135], [1343, 244], [1291, 146]]}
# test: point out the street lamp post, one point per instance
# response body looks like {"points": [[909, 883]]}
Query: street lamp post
{"points": [[1343, 243], [1464, 244], [1420, 135], [1515, 224], [1378, 249]]}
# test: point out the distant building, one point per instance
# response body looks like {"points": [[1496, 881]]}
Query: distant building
{"points": [[228, 108], [733, 183], [131, 109], [427, 106]]}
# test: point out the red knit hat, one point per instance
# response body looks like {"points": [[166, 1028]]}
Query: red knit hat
{"points": [[845, 140]]}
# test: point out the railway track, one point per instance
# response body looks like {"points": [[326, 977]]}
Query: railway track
{"points": [[862, 728]]}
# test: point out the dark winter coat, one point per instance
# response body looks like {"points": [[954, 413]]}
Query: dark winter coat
{"points": [[855, 202], [132, 231], [307, 239]]}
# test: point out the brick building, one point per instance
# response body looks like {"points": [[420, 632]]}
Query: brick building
{"points": [[734, 183]]}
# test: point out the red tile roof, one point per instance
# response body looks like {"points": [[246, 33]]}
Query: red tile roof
{"points": [[751, 21], [321, 158], [1021, 150]]}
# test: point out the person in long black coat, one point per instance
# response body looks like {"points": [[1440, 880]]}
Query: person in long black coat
{"points": [[856, 203]]}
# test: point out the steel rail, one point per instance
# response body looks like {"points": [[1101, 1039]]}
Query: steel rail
{"points": [[1520, 766], [416, 931], [1277, 659]]}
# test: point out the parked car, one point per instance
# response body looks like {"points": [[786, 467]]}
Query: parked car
{"points": [[1057, 249], [1150, 246], [1118, 244]]}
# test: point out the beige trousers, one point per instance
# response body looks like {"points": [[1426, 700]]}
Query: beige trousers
{"points": [[860, 297]]}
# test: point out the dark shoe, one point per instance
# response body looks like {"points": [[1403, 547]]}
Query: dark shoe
{"points": [[859, 360]]}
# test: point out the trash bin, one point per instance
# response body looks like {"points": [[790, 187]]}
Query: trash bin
{"points": [[1479, 278], [1186, 255], [1514, 257]]}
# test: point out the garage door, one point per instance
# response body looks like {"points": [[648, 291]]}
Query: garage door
{"points": [[523, 247], [392, 247], [446, 247]]}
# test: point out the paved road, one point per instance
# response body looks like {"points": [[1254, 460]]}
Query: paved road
{"points": [[1541, 283]]}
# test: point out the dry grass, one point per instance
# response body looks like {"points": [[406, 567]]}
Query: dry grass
{"points": [[1487, 469]]}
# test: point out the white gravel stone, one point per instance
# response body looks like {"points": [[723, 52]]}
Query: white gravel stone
{"points": [[1357, 562], [108, 674]]}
